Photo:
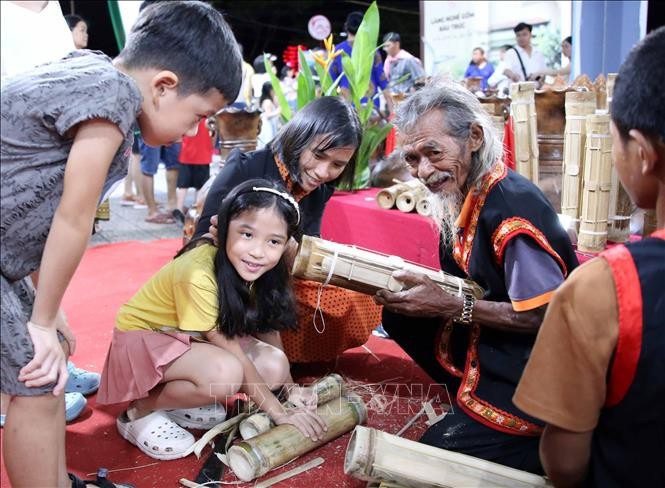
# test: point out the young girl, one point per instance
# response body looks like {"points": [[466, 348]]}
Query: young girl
{"points": [[270, 116], [207, 326]]}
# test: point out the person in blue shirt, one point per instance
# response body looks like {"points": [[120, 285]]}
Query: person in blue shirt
{"points": [[479, 67], [378, 78]]}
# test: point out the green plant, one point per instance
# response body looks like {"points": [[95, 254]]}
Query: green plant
{"points": [[357, 69]]}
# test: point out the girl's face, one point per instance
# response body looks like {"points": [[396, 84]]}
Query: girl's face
{"points": [[80, 35], [566, 49], [319, 167], [256, 241]]}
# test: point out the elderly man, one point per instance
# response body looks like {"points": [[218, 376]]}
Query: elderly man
{"points": [[499, 230]]}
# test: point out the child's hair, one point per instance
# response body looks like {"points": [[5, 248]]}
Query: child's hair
{"points": [[73, 20], [266, 90], [330, 116], [271, 303], [190, 38], [637, 101]]}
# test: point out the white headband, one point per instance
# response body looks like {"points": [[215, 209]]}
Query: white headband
{"points": [[282, 194]]}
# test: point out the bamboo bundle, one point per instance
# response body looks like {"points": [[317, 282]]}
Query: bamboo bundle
{"points": [[366, 271], [387, 197], [252, 458], [597, 184], [650, 222], [523, 110], [407, 200], [579, 104], [327, 388], [376, 456]]}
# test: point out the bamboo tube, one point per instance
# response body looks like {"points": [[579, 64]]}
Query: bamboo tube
{"points": [[597, 184], [386, 197], [327, 388], [252, 458], [376, 456], [423, 207], [650, 222], [523, 110], [406, 201], [579, 104]]}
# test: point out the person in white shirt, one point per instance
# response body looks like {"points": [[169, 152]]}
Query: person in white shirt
{"points": [[498, 80], [532, 60]]}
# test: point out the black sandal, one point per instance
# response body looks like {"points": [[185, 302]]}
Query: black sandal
{"points": [[101, 481]]}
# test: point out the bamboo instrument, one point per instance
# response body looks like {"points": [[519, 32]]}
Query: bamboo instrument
{"points": [[366, 271], [523, 110], [423, 207], [406, 201], [386, 198], [579, 104], [650, 222], [376, 456], [621, 207], [252, 458], [597, 184], [327, 388]]}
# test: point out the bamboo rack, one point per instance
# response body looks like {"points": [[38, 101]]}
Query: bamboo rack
{"points": [[376, 456], [597, 184], [254, 457], [523, 110], [579, 104], [327, 388]]}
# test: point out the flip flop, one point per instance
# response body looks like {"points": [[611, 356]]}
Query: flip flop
{"points": [[156, 435], [160, 218], [101, 481], [204, 418]]}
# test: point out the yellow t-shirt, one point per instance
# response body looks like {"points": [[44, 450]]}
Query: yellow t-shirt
{"points": [[182, 295]]}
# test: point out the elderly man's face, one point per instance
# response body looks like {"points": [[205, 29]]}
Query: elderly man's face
{"points": [[441, 162]]}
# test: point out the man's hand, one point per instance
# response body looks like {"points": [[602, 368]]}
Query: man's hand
{"points": [[421, 298]]}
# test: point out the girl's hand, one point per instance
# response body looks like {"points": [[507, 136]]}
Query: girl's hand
{"points": [[214, 232], [307, 422], [49, 364], [303, 396]]}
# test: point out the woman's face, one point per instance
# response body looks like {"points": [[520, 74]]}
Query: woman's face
{"points": [[477, 56], [319, 167], [80, 35], [566, 49]]}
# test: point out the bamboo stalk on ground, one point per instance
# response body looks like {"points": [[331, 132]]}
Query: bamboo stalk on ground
{"points": [[597, 184], [579, 104], [523, 110]]}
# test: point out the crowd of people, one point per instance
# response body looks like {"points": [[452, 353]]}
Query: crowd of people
{"points": [[556, 370]]}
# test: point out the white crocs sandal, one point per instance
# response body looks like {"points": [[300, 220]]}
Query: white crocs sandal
{"points": [[204, 418], [156, 435]]}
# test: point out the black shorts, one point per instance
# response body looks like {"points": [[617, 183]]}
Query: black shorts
{"points": [[193, 175]]}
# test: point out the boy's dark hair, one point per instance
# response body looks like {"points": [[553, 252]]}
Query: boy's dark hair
{"points": [[637, 100], [353, 21], [270, 305], [569, 40], [191, 39], [330, 116], [392, 37], [73, 20], [521, 26]]}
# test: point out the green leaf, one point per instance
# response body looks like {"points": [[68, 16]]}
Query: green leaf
{"points": [[350, 73], [277, 87], [324, 78], [364, 47], [306, 74], [365, 113], [333, 87]]}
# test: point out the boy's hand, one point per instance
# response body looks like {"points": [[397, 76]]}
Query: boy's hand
{"points": [[307, 422], [49, 364], [213, 230]]}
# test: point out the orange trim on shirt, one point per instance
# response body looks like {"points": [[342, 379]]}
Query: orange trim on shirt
{"points": [[532, 303], [467, 207], [629, 342]]}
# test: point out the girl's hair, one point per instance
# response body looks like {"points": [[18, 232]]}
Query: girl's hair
{"points": [[265, 92], [73, 20], [332, 117], [270, 304], [569, 40]]}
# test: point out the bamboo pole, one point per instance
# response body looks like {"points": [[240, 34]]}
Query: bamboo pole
{"points": [[252, 458], [523, 110], [578, 105], [376, 456], [386, 198], [597, 184], [327, 388]]}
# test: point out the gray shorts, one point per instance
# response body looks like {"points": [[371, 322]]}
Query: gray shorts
{"points": [[16, 348]]}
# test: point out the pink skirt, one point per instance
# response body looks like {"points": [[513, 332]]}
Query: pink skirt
{"points": [[136, 361]]}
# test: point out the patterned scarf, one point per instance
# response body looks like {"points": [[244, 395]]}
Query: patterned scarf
{"points": [[292, 187]]}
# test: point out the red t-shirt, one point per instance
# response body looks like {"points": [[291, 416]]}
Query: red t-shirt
{"points": [[197, 149]]}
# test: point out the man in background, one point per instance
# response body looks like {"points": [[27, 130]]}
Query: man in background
{"points": [[523, 60]]}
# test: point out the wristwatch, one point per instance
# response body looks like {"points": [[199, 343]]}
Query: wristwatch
{"points": [[467, 310]]}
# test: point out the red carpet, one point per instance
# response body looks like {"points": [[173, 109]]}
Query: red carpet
{"points": [[107, 277]]}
